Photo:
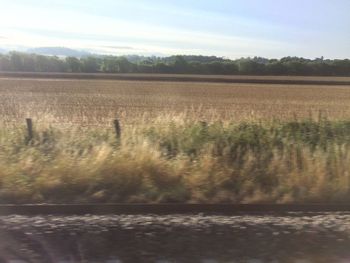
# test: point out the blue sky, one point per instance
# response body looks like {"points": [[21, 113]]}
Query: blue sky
{"points": [[236, 28]]}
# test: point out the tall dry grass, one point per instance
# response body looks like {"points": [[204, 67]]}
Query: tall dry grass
{"points": [[301, 161]]}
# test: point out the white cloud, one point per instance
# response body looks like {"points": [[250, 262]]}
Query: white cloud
{"points": [[40, 26]]}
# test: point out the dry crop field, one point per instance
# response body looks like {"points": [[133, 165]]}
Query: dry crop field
{"points": [[181, 142], [97, 102]]}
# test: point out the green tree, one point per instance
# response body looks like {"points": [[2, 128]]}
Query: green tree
{"points": [[90, 65], [249, 66], [16, 61], [180, 65], [73, 64], [5, 64]]}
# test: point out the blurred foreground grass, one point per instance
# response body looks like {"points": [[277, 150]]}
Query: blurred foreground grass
{"points": [[246, 162]]}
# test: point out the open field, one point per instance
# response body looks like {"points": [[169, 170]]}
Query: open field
{"points": [[100, 101], [259, 142]]}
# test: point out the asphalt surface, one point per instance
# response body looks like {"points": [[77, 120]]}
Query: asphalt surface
{"points": [[292, 237]]}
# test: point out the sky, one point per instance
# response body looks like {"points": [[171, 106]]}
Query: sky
{"points": [[224, 28]]}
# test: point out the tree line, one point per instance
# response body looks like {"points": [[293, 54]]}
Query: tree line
{"points": [[24, 62]]}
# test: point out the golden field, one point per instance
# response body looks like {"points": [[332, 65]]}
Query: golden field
{"points": [[259, 142], [97, 102]]}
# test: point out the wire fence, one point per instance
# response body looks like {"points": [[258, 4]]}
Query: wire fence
{"points": [[67, 125], [113, 126]]}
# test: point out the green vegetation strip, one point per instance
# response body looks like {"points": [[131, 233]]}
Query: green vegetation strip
{"points": [[218, 163], [23, 62]]}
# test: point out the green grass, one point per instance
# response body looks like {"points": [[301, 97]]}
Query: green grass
{"points": [[278, 162]]}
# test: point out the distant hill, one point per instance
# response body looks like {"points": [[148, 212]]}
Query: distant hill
{"points": [[58, 51], [3, 51]]}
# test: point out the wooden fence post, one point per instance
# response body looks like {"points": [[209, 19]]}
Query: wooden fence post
{"points": [[204, 124], [117, 129], [29, 130]]}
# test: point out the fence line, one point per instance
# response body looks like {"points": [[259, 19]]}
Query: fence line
{"points": [[82, 124], [30, 131], [116, 127]]}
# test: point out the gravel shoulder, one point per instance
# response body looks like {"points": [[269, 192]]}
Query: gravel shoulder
{"points": [[294, 237]]}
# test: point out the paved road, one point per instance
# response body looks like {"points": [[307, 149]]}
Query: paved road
{"points": [[294, 237]]}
